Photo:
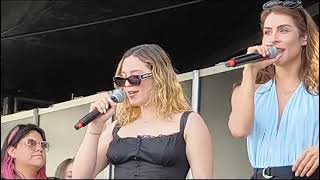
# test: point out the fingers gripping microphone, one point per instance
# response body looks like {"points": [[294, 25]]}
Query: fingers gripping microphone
{"points": [[249, 58], [117, 97]]}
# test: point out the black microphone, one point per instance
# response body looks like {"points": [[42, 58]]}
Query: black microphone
{"points": [[249, 58], [117, 97]]}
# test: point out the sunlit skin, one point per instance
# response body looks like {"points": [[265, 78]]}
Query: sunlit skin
{"points": [[279, 30], [137, 95]]}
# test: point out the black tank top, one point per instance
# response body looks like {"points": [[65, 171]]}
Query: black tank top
{"points": [[162, 156]]}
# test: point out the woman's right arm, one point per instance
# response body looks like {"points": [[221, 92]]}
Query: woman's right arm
{"points": [[91, 156], [242, 100], [242, 104]]}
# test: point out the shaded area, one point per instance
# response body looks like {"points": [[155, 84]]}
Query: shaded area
{"points": [[53, 50]]}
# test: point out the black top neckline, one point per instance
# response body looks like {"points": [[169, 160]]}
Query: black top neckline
{"points": [[148, 136]]}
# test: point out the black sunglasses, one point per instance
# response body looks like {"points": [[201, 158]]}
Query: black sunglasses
{"points": [[134, 80], [288, 4]]}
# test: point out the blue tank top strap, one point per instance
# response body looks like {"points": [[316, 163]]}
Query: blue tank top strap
{"points": [[265, 87], [183, 120]]}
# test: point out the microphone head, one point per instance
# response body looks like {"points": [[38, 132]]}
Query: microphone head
{"points": [[118, 96], [273, 52]]}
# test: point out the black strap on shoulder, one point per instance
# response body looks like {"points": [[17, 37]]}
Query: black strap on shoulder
{"points": [[115, 130], [183, 120]]}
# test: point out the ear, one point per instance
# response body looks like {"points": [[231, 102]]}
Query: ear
{"points": [[11, 151], [304, 40]]}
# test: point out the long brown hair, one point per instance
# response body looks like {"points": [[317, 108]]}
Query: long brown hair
{"points": [[309, 70], [167, 95]]}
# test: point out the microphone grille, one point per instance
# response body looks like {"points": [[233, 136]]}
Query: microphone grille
{"points": [[273, 52], [118, 96]]}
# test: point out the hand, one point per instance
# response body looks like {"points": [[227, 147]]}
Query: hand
{"points": [[307, 163], [102, 105], [263, 50]]}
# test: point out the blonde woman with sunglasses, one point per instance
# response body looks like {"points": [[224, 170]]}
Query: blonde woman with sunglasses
{"points": [[155, 134], [23, 155], [276, 107]]}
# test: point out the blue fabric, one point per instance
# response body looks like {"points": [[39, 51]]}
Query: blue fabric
{"points": [[271, 144]]}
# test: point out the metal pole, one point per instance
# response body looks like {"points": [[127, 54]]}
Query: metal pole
{"points": [[36, 117], [195, 90]]}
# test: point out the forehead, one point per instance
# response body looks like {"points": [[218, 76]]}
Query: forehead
{"points": [[275, 20], [133, 64], [33, 135]]}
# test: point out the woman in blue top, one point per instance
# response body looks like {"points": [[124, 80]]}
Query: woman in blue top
{"points": [[276, 107]]}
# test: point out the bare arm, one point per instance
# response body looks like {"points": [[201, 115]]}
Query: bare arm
{"points": [[103, 146], [199, 147], [86, 158], [242, 100], [89, 160], [242, 105]]}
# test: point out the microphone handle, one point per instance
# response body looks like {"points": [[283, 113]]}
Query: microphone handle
{"points": [[249, 58], [87, 119], [246, 58]]}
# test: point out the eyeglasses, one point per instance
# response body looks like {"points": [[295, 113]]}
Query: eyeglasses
{"points": [[134, 80], [32, 144], [288, 4]]}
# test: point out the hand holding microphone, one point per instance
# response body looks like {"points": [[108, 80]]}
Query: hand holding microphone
{"points": [[102, 109], [258, 56]]}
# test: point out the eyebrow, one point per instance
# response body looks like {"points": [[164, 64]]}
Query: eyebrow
{"points": [[133, 71], [283, 25]]}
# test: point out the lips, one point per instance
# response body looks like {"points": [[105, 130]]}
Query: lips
{"points": [[280, 50], [132, 93], [39, 155]]}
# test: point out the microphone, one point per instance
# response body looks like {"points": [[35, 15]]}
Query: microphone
{"points": [[249, 58], [117, 96]]}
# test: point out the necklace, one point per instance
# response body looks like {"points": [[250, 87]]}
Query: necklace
{"points": [[146, 121]]}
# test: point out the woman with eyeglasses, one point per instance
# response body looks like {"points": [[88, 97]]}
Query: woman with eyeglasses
{"points": [[276, 106], [155, 134], [23, 154]]}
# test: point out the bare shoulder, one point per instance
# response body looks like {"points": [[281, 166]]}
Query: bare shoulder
{"points": [[194, 124], [194, 119]]}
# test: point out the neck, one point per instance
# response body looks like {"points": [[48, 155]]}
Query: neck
{"points": [[26, 171], [149, 112], [288, 75]]}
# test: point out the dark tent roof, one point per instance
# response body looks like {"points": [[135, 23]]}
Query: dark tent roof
{"points": [[51, 49]]}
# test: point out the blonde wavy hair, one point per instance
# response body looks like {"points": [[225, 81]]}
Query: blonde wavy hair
{"points": [[309, 70], [167, 94]]}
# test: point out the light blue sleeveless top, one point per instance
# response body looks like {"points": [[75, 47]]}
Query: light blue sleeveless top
{"points": [[271, 144]]}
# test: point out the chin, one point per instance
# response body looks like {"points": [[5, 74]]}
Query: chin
{"points": [[135, 102], [38, 164]]}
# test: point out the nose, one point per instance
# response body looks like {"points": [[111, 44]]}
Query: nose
{"points": [[274, 39], [127, 84], [39, 147]]}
